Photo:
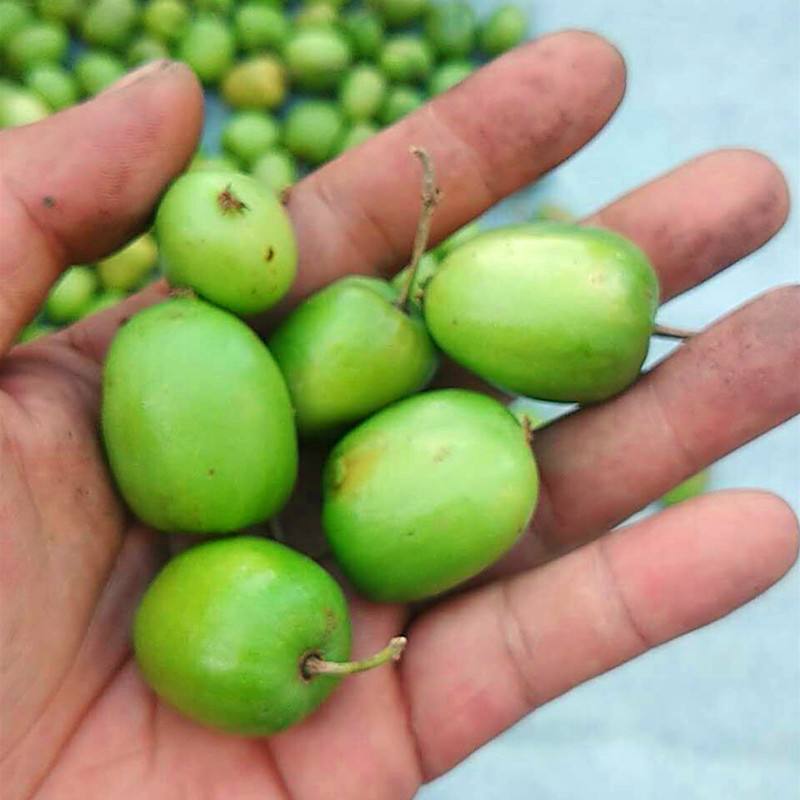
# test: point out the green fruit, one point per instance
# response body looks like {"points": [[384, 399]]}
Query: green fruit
{"points": [[348, 351], [229, 238], [66, 11], [312, 130], [506, 28], [461, 236], [165, 19], [398, 13], [448, 75], [426, 269], [400, 101], [104, 301], [316, 15], [37, 43], [215, 6], [20, 107], [551, 311], [126, 269], [221, 163], [690, 488], [428, 493], [357, 135], [224, 629], [97, 70], [276, 169], [249, 134], [34, 331], [145, 49], [365, 31], [208, 46], [257, 83], [550, 212], [406, 58], [14, 16], [71, 294], [260, 27], [450, 27], [109, 23], [362, 92], [54, 84], [197, 421], [317, 58]]}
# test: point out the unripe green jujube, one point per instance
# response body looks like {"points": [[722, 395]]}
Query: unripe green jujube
{"points": [[451, 27], [398, 13], [406, 58], [144, 49], [207, 45], [249, 134], [362, 92], [276, 169], [97, 70], [20, 107], [257, 83], [365, 31], [400, 101], [66, 11], [14, 16], [317, 57], [109, 23], [71, 294], [165, 19], [126, 269], [356, 135], [54, 84], [448, 75], [37, 43], [312, 130], [260, 27], [505, 28]]}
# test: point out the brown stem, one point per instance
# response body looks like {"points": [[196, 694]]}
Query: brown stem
{"points": [[431, 195], [668, 332], [314, 665]]}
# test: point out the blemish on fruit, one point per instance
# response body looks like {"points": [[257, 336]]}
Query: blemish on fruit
{"points": [[229, 202], [441, 454], [269, 253]]}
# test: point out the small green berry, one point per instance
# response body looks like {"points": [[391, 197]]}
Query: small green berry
{"points": [[312, 130], [249, 134]]}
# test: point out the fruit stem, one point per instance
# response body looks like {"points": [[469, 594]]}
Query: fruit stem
{"points": [[314, 665], [431, 194], [668, 332]]}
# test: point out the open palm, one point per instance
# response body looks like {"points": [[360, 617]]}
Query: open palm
{"points": [[569, 602]]}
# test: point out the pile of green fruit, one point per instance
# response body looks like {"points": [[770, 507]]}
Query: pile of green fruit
{"points": [[422, 490], [301, 83]]}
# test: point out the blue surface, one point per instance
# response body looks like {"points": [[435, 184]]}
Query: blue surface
{"points": [[717, 713]]}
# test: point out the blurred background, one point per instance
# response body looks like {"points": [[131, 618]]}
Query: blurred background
{"points": [[715, 714]]}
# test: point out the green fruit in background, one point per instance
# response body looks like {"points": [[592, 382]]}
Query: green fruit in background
{"points": [[37, 43], [104, 301], [552, 311], [71, 294], [34, 331], [362, 92], [397, 13], [428, 493], [461, 236], [109, 23], [222, 7], [316, 15], [229, 238], [260, 27], [247, 135], [53, 84], [203, 162], [276, 169], [400, 101], [144, 49], [406, 58], [356, 135], [14, 16], [223, 631], [448, 75], [428, 265], [258, 83], [506, 28], [196, 419], [20, 107], [317, 58], [126, 269], [208, 46], [690, 488], [312, 130], [66, 11], [165, 19], [348, 351], [365, 32], [97, 70], [451, 27]]}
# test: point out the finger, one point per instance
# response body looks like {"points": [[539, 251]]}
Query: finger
{"points": [[80, 183], [478, 663], [702, 217], [497, 131], [716, 392], [502, 128]]}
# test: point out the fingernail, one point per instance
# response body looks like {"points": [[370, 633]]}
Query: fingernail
{"points": [[142, 73]]}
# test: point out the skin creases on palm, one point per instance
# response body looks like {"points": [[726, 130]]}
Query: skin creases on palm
{"points": [[77, 721]]}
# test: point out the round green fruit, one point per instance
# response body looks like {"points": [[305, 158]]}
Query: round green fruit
{"points": [[398, 13], [400, 101], [224, 630], [207, 45], [14, 16], [197, 420], [276, 169], [448, 75], [348, 351], [247, 135], [690, 488], [20, 107], [365, 32], [228, 237], [261, 27], [312, 130], [71, 295], [37, 43], [505, 28], [428, 493], [103, 301], [165, 19], [257, 83], [66, 11], [109, 23], [362, 92], [54, 84], [551, 311], [96, 70], [317, 58], [406, 58], [450, 27], [356, 135], [144, 49], [126, 269]]}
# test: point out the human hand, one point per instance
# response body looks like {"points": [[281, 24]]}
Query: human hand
{"points": [[569, 602]]}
